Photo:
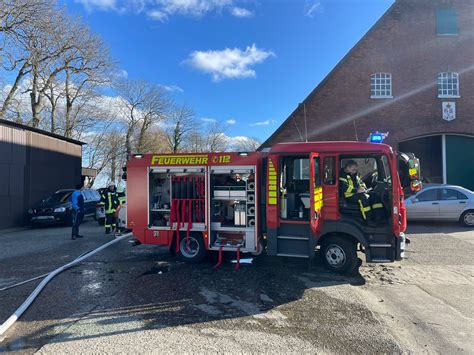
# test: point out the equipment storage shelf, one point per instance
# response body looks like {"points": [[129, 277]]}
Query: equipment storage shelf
{"points": [[177, 199], [232, 194]]}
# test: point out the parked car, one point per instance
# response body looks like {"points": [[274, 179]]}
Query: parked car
{"points": [[100, 210], [56, 209], [443, 203]]}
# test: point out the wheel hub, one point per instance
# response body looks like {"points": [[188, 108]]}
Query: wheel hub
{"points": [[189, 247], [469, 218], [335, 256]]}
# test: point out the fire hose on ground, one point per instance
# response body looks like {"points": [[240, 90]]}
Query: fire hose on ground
{"points": [[17, 314]]}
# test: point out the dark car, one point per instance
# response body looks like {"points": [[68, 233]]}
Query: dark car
{"points": [[56, 209]]}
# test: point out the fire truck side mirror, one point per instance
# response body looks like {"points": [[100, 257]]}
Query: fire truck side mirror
{"points": [[124, 175]]}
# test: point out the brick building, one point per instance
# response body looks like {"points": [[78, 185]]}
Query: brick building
{"points": [[411, 75]]}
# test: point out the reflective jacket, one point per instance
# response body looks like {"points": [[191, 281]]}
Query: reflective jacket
{"points": [[348, 184], [110, 201]]}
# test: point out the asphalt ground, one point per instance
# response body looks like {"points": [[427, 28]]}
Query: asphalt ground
{"points": [[139, 299]]}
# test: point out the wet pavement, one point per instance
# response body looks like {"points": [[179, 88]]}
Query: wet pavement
{"points": [[138, 298]]}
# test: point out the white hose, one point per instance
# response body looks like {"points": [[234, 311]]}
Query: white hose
{"points": [[34, 278], [17, 314]]}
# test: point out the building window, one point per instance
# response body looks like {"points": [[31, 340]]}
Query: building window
{"points": [[381, 86], [448, 85], [446, 22]]}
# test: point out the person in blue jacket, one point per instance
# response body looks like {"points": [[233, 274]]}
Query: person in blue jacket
{"points": [[77, 199]]}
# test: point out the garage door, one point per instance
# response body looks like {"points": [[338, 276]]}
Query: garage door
{"points": [[460, 161]]}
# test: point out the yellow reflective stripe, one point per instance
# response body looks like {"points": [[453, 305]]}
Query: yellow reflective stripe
{"points": [[348, 192], [318, 198], [377, 205], [272, 183], [362, 210]]}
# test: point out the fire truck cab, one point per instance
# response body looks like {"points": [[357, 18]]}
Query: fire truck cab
{"points": [[284, 201]]}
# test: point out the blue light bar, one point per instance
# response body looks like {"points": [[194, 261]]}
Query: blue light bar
{"points": [[376, 137]]}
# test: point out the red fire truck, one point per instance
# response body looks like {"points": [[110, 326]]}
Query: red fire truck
{"points": [[284, 200]]}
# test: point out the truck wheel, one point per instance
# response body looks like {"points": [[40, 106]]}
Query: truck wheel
{"points": [[101, 221], [467, 218], [339, 254], [192, 250]]}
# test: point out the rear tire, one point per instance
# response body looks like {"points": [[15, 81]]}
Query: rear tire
{"points": [[195, 251], [339, 254], [467, 218]]}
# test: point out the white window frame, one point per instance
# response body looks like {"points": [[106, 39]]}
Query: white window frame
{"points": [[376, 82], [444, 87]]}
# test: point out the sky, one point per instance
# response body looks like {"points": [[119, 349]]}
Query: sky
{"points": [[245, 63]]}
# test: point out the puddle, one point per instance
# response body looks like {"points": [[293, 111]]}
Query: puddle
{"points": [[243, 261], [159, 268]]}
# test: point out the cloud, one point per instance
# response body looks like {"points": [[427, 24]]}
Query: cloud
{"points": [[231, 121], [263, 123], [134, 6], [193, 8], [157, 15], [122, 74], [228, 63], [241, 12], [104, 5], [312, 7], [208, 120], [161, 10], [172, 88]]}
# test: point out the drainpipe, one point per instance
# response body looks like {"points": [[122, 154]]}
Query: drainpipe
{"points": [[443, 157]]}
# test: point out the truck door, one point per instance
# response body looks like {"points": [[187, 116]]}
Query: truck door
{"points": [[316, 193]]}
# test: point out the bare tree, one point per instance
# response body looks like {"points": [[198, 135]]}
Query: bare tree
{"points": [[87, 66], [247, 144], [21, 21], [49, 49], [180, 126], [142, 105], [105, 150], [216, 140]]}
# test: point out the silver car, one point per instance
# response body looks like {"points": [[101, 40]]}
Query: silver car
{"points": [[442, 203]]}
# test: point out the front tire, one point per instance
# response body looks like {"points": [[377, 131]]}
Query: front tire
{"points": [[467, 218], [193, 249], [339, 255]]}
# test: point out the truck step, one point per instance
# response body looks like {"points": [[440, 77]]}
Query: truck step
{"points": [[292, 238], [293, 255], [380, 245], [381, 261]]}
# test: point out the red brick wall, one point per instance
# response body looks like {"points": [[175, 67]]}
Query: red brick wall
{"points": [[403, 43]]}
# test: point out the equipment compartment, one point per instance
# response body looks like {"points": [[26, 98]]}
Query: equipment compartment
{"points": [[232, 195], [177, 199]]}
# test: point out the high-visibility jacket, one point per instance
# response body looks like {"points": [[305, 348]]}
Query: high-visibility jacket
{"points": [[110, 201], [348, 184]]}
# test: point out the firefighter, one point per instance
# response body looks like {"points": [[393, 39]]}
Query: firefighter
{"points": [[354, 191], [110, 200]]}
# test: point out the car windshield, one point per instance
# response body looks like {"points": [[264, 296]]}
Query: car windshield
{"points": [[60, 196]]}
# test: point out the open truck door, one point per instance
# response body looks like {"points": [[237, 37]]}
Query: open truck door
{"points": [[409, 172], [316, 193]]}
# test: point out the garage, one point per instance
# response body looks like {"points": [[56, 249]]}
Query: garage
{"points": [[446, 158]]}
